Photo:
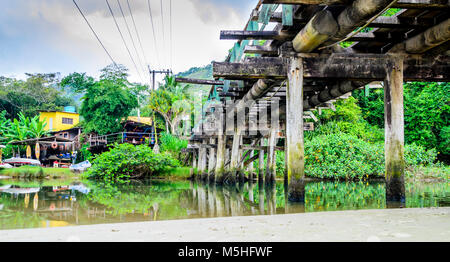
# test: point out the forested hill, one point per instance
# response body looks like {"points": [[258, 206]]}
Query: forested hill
{"points": [[198, 73]]}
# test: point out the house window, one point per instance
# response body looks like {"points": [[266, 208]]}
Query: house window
{"points": [[67, 121]]}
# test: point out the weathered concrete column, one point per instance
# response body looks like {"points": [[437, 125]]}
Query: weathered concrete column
{"points": [[261, 164], [220, 158], [194, 160], [212, 160], [294, 132], [235, 154], [271, 169], [394, 131], [251, 168], [202, 163]]}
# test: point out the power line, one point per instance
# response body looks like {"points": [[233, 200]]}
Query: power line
{"points": [[163, 28], [171, 35], [137, 33], [131, 36], [96, 36], [154, 35], [123, 39]]}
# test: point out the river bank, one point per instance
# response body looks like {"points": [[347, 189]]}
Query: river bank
{"points": [[411, 224]]}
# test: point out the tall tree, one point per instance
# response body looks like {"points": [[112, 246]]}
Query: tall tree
{"points": [[107, 101]]}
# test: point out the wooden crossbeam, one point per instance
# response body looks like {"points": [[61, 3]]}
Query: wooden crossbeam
{"points": [[339, 66], [379, 22], [198, 81], [262, 50], [406, 4], [255, 35]]}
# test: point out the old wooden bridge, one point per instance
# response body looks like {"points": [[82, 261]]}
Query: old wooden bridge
{"points": [[290, 60]]}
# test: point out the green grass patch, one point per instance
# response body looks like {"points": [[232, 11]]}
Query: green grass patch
{"points": [[178, 173], [36, 172]]}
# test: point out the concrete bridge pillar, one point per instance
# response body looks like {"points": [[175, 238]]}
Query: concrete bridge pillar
{"points": [[261, 164], [212, 160], [202, 163], [271, 169], [294, 131], [220, 158], [394, 131]]}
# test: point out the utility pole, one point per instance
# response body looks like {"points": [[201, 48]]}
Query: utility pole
{"points": [[153, 74]]}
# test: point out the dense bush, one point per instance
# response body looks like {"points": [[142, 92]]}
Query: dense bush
{"points": [[126, 161], [344, 156], [427, 113], [172, 144]]}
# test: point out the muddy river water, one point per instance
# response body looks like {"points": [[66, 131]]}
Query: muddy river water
{"points": [[56, 203]]}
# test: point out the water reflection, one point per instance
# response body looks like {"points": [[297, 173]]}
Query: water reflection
{"points": [[62, 203]]}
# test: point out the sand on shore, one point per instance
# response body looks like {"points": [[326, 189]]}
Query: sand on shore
{"points": [[412, 224]]}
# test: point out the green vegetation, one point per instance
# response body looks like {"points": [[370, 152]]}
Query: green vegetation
{"points": [[37, 92], [107, 101], [427, 113], [172, 102], [36, 172], [124, 162], [19, 129], [173, 145]]}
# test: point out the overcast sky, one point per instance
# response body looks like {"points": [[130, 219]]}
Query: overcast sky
{"points": [[43, 36]]}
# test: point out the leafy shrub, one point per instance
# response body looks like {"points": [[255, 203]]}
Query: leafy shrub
{"points": [[361, 129], [126, 161], [172, 144], [418, 155], [344, 156]]}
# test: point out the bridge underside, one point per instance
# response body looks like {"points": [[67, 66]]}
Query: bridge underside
{"points": [[265, 89]]}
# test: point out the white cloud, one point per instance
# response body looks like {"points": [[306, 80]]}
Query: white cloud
{"points": [[63, 42]]}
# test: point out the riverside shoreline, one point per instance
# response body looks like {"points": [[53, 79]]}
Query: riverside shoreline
{"points": [[412, 224]]}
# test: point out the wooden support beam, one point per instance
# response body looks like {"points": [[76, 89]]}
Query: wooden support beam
{"points": [[255, 35], [261, 164], [321, 27], [405, 4], [394, 132], [198, 81], [220, 157], [355, 15], [204, 163], [212, 161], [350, 66], [294, 132], [306, 2], [431, 38], [261, 50], [271, 167]]}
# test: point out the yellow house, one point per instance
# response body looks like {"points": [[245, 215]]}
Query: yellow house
{"points": [[57, 121]]}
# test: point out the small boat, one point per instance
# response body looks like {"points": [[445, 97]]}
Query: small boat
{"points": [[17, 191], [80, 167], [15, 161], [5, 166]]}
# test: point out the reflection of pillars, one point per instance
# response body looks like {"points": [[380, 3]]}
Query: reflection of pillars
{"points": [[35, 201], [155, 211], [27, 200], [261, 198], [251, 185], [286, 196], [294, 131], [211, 200], [202, 200], [394, 132], [271, 198], [226, 197], [220, 205]]}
